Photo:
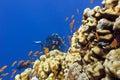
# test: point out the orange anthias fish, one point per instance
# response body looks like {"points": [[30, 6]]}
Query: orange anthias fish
{"points": [[26, 62], [66, 19], [54, 70], [56, 42], [71, 25], [75, 28], [4, 74], [0, 78], [13, 72], [30, 53], [36, 53], [96, 35], [53, 46], [46, 50], [13, 64], [41, 52], [77, 10], [3, 68], [21, 61], [91, 1], [69, 38], [114, 43], [37, 70], [72, 16]]}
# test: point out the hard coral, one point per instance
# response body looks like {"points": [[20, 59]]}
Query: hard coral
{"points": [[94, 53], [112, 63]]}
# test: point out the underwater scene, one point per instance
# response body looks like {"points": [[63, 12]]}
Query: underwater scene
{"points": [[60, 40]]}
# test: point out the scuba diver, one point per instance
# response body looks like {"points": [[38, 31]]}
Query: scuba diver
{"points": [[52, 42]]}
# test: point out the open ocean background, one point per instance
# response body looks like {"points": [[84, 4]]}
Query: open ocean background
{"points": [[25, 21]]}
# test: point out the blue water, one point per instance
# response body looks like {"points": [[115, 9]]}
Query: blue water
{"points": [[25, 21]]}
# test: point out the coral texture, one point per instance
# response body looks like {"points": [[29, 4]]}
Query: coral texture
{"points": [[94, 53]]}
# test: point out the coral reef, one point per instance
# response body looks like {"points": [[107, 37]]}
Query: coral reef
{"points": [[51, 66], [94, 53]]}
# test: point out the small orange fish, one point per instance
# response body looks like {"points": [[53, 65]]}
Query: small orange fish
{"points": [[77, 10], [72, 16], [66, 19], [30, 53], [3, 68], [71, 25], [4, 74], [41, 52], [75, 28], [21, 61], [53, 46], [115, 43], [0, 78], [13, 64], [36, 53], [37, 70], [46, 50], [83, 17], [13, 72], [91, 1], [54, 70], [46, 54], [69, 38], [56, 42], [26, 62], [96, 35]]}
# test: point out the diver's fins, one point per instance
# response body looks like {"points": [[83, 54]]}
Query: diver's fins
{"points": [[39, 43]]}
